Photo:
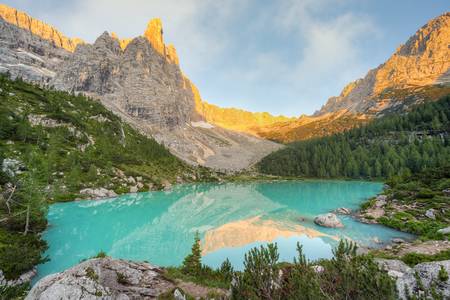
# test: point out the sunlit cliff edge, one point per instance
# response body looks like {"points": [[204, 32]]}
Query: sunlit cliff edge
{"points": [[229, 118], [37, 27], [402, 81]]}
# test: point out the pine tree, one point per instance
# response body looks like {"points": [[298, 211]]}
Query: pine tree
{"points": [[192, 263]]}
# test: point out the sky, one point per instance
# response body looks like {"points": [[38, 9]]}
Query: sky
{"points": [[284, 57]]}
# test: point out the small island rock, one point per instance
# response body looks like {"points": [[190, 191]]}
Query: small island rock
{"points": [[328, 220]]}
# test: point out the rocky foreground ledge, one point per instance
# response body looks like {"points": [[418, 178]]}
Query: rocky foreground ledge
{"points": [[107, 278]]}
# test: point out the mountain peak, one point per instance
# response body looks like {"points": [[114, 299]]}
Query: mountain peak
{"points": [[39, 28], [122, 42], [423, 60], [417, 44], [154, 34]]}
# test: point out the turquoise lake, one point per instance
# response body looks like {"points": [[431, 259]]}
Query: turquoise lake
{"points": [[231, 218]]}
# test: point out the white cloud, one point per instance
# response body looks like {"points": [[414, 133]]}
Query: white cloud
{"points": [[329, 51], [195, 26], [217, 50]]}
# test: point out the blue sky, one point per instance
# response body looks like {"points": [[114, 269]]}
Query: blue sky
{"points": [[285, 57]]}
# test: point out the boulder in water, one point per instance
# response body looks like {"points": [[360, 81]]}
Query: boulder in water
{"points": [[328, 220]]}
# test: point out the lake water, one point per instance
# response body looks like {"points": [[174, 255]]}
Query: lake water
{"points": [[231, 218]]}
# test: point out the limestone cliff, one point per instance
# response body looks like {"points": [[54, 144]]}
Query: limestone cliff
{"points": [[238, 119], [233, 118], [39, 28], [418, 71], [139, 79], [423, 60]]}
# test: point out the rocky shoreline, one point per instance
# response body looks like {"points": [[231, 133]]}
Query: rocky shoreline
{"points": [[107, 278]]}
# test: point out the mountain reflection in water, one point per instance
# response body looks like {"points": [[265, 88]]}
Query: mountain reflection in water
{"points": [[231, 218]]}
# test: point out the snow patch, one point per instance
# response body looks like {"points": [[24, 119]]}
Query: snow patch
{"points": [[202, 124]]}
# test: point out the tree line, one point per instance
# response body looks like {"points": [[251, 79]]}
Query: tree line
{"points": [[396, 144]]}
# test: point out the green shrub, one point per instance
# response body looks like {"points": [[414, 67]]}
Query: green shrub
{"points": [[121, 278], [258, 281], [345, 276], [425, 193], [413, 259], [443, 275], [14, 292], [90, 273], [368, 204], [101, 254], [19, 253], [226, 270]]}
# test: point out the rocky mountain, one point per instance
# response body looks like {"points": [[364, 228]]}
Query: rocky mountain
{"points": [[418, 71], [138, 79], [39, 28], [238, 119], [423, 60]]}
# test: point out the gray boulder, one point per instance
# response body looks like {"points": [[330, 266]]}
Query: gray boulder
{"points": [[103, 278], [428, 274], [381, 200], [430, 214], [99, 193], [445, 230], [177, 295], [398, 241], [12, 167], [328, 220]]}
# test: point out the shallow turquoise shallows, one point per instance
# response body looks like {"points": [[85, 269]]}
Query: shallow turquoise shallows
{"points": [[231, 218]]}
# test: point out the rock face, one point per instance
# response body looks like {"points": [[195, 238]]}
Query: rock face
{"points": [[238, 119], [27, 55], [328, 220], [103, 278], [423, 60], [418, 71], [427, 272], [139, 79], [39, 28]]}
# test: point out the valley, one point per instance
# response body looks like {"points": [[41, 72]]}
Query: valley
{"points": [[112, 163]]}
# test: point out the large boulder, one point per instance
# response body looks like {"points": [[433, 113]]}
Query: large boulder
{"points": [[428, 274], [445, 230], [328, 220], [99, 193], [103, 278]]}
